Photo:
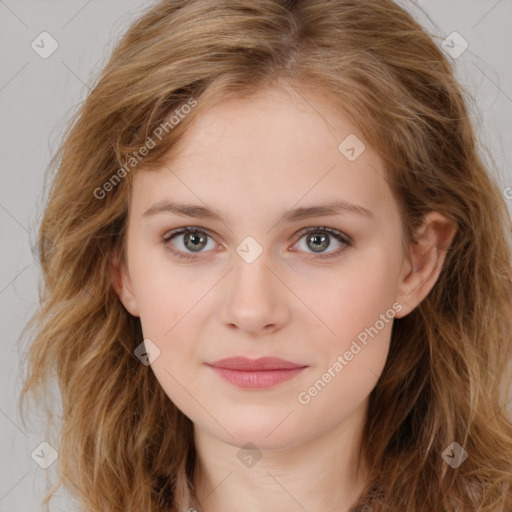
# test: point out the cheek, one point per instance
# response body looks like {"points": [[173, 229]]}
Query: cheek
{"points": [[357, 307], [350, 362], [363, 290], [172, 301], [168, 316], [164, 291]]}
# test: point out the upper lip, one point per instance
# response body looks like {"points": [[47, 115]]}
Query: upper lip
{"points": [[262, 363]]}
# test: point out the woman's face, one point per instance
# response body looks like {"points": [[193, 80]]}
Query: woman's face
{"points": [[252, 283]]}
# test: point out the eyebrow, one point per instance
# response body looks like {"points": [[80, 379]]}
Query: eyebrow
{"points": [[304, 212]]}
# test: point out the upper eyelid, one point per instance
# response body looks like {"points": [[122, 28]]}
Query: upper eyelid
{"points": [[329, 230]]}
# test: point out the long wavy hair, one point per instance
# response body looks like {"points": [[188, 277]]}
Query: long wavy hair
{"points": [[123, 445]]}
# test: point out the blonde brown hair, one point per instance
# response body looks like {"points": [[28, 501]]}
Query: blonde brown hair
{"points": [[123, 443]]}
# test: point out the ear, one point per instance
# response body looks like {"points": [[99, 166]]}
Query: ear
{"points": [[122, 284], [421, 268]]}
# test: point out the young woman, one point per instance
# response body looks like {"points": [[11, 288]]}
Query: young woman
{"points": [[276, 271]]}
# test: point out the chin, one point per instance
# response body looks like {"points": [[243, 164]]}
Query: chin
{"points": [[268, 435]]}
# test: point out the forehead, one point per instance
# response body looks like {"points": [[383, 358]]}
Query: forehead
{"points": [[279, 147]]}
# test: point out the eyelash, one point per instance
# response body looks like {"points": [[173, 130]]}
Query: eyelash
{"points": [[344, 239]]}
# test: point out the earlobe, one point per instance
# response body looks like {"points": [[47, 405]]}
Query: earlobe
{"points": [[121, 284], [422, 267]]}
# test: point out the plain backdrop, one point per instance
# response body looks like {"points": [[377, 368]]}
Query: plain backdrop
{"points": [[37, 97]]}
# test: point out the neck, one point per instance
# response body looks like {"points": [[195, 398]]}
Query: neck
{"points": [[321, 474]]}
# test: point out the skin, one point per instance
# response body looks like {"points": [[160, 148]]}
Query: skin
{"points": [[252, 159]]}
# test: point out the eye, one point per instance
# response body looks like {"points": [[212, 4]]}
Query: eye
{"points": [[194, 239], [319, 238]]}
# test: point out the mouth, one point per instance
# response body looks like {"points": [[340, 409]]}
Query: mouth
{"points": [[259, 373]]}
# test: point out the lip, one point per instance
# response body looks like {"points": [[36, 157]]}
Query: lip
{"points": [[264, 372], [260, 364]]}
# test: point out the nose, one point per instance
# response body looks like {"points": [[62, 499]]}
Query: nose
{"points": [[255, 299]]}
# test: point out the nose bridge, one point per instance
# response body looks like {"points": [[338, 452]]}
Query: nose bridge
{"points": [[255, 297], [252, 274]]}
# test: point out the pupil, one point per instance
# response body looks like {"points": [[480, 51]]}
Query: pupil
{"points": [[322, 244], [196, 239]]}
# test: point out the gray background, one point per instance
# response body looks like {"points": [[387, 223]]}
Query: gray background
{"points": [[37, 97]]}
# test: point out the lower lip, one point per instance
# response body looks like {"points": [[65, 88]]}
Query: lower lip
{"points": [[257, 379]]}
